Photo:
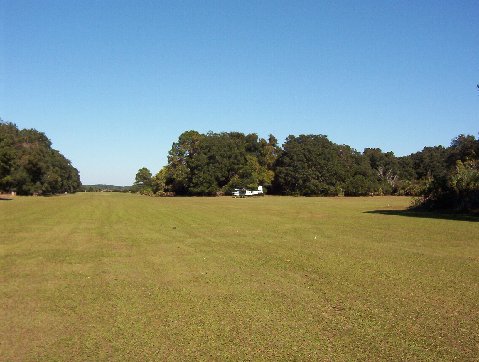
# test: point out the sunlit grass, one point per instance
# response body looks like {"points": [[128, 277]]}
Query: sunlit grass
{"points": [[125, 277]]}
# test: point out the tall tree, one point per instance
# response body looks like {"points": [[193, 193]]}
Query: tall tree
{"points": [[215, 163], [29, 165], [308, 165], [457, 185], [143, 179]]}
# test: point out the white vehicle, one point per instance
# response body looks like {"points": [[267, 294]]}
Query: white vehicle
{"points": [[247, 193]]}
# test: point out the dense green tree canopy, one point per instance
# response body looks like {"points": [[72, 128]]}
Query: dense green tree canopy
{"points": [[313, 165], [143, 177], [28, 164], [456, 186], [216, 163]]}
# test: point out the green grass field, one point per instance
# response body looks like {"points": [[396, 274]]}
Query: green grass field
{"points": [[123, 277]]}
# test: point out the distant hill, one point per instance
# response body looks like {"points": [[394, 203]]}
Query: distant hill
{"points": [[105, 188]]}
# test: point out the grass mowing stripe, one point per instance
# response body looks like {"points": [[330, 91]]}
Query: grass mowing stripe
{"points": [[118, 276]]}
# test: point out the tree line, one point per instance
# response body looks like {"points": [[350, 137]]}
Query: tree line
{"points": [[305, 165], [29, 165], [312, 165]]}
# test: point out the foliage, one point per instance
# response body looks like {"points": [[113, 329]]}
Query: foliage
{"points": [[385, 166], [28, 164], [143, 181], [313, 165], [158, 183], [309, 165], [105, 188], [457, 187], [215, 163]]}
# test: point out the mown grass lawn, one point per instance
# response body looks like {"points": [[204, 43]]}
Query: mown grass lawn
{"points": [[126, 277]]}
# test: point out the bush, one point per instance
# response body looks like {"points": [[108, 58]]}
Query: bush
{"points": [[459, 191], [358, 186]]}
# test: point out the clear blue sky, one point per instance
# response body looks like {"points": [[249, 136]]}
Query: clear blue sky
{"points": [[114, 83]]}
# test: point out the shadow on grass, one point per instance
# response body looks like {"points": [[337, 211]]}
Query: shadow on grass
{"points": [[427, 214]]}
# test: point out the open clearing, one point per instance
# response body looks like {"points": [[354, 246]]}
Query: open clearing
{"points": [[126, 277]]}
